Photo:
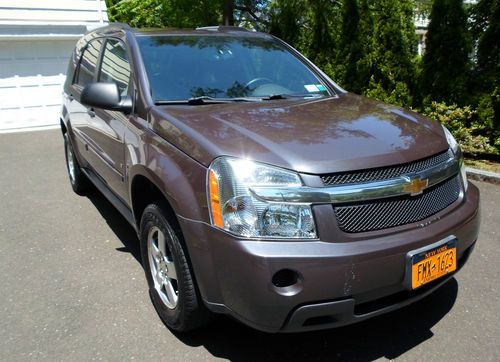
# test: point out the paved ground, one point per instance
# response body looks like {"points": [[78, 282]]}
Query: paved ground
{"points": [[72, 288]]}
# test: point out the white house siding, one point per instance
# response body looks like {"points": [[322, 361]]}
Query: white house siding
{"points": [[36, 40]]}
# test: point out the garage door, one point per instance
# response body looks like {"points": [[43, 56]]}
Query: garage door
{"points": [[31, 76]]}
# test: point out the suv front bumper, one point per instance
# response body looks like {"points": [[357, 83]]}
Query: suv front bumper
{"points": [[338, 282]]}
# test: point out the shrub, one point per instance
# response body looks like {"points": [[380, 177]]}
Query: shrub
{"points": [[399, 95], [462, 123]]}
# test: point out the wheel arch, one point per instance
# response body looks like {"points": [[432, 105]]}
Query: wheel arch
{"points": [[64, 130], [144, 191], [64, 119], [180, 181]]}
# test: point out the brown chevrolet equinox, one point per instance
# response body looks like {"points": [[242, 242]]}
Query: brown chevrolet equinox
{"points": [[258, 187]]}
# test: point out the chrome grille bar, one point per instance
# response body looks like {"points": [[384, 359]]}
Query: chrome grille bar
{"points": [[362, 191]]}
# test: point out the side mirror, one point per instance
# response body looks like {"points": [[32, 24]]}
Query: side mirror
{"points": [[105, 96]]}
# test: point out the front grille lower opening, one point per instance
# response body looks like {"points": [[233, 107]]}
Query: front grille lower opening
{"points": [[391, 212]]}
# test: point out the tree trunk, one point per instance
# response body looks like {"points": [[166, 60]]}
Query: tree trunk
{"points": [[228, 17]]}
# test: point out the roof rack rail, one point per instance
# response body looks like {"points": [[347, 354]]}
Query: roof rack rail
{"points": [[221, 27], [123, 26], [111, 26]]}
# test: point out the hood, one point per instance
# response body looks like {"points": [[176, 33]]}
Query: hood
{"points": [[310, 136]]}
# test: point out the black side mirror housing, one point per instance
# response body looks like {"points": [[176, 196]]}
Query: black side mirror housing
{"points": [[105, 96]]}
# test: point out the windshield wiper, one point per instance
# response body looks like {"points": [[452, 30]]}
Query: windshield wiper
{"points": [[286, 96], [196, 101]]}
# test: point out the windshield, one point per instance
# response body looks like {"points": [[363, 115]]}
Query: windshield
{"points": [[184, 67]]}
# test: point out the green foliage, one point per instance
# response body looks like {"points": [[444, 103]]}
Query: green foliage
{"points": [[488, 50], [321, 17], [462, 123], [349, 47], [393, 77], [446, 61], [308, 25], [285, 19], [399, 95], [479, 17], [423, 7], [350, 50], [148, 13], [485, 82], [488, 58], [485, 112], [365, 65], [166, 13]]}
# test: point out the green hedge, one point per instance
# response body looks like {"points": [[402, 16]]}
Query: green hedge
{"points": [[466, 126]]}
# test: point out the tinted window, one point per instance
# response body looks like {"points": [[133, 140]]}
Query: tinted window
{"points": [[115, 66], [181, 67], [88, 62]]}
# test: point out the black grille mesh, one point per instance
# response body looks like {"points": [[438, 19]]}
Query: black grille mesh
{"points": [[386, 213], [378, 174]]}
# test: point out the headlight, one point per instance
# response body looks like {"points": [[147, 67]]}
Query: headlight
{"points": [[233, 208], [455, 147], [463, 173], [451, 140]]}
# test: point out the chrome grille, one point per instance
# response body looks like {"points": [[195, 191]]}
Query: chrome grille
{"points": [[386, 213], [378, 174]]}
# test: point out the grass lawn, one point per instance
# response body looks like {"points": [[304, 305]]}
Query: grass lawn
{"points": [[483, 165]]}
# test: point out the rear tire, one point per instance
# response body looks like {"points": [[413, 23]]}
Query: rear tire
{"points": [[171, 283], [79, 182]]}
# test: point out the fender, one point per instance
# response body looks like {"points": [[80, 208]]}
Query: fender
{"points": [[164, 166]]}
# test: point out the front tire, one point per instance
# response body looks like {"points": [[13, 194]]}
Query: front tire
{"points": [[79, 182], [170, 279]]}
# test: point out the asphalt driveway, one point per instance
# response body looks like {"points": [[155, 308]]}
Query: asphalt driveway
{"points": [[72, 287]]}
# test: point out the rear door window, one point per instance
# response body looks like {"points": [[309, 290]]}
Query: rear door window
{"points": [[88, 62], [115, 66]]}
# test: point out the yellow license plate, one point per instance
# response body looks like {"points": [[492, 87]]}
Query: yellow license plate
{"points": [[431, 263]]}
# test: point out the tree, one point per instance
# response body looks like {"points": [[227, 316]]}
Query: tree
{"points": [[165, 13], [323, 15], [479, 15], [189, 13], [365, 64], [445, 65], [394, 51], [488, 62], [228, 13], [350, 48], [253, 13], [488, 49], [286, 19]]}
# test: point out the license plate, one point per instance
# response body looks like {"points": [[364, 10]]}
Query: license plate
{"points": [[431, 262]]}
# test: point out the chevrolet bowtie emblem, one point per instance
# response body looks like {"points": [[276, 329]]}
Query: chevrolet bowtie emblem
{"points": [[416, 186]]}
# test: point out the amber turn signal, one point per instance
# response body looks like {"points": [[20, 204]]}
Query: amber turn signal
{"points": [[214, 200]]}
